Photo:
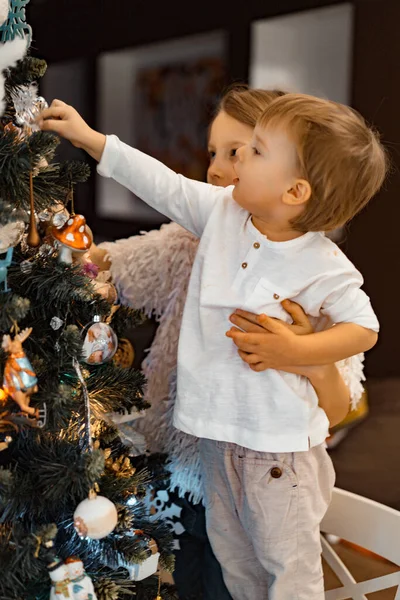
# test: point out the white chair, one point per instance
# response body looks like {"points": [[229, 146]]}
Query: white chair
{"points": [[370, 525]]}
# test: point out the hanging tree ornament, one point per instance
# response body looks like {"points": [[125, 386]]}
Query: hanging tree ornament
{"points": [[138, 572], [4, 264], [28, 106], [82, 585], [20, 381], [14, 25], [33, 239], [86, 440], [60, 583], [158, 597], [60, 215], [56, 323], [96, 517], [100, 342], [74, 235]]}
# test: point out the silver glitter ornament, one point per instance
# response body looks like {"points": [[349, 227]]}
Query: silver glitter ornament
{"points": [[56, 323], [45, 215], [60, 218], [26, 267], [28, 105], [46, 250]]}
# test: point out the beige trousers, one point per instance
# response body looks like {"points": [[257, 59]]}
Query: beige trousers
{"points": [[263, 514]]}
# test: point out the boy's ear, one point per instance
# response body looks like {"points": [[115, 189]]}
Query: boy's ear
{"points": [[298, 194]]}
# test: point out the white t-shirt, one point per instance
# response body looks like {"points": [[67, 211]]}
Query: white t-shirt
{"points": [[219, 397]]}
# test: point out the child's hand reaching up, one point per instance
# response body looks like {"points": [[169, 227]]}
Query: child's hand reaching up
{"points": [[67, 122]]}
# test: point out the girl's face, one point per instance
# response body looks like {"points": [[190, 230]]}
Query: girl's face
{"points": [[226, 136]]}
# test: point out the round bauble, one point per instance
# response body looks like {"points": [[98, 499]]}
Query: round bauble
{"points": [[95, 518], [100, 342]]}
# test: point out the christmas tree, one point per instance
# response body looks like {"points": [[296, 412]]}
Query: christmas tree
{"points": [[71, 486]]}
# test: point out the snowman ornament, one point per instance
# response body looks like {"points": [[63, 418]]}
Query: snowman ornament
{"points": [[82, 585], [61, 587]]}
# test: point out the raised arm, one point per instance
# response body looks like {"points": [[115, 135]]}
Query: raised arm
{"points": [[183, 200]]}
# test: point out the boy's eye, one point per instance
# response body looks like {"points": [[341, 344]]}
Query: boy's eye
{"points": [[233, 152], [211, 154], [255, 151]]}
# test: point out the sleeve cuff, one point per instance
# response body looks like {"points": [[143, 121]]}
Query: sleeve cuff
{"points": [[353, 306], [107, 163]]}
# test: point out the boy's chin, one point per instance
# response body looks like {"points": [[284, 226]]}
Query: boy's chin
{"points": [[237, 196]]}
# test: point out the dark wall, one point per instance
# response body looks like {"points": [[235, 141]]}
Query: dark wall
{"points": [[374, 236], [73, 28]]}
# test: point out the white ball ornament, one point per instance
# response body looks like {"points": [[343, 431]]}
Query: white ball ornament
{"points": [[95, 518]]}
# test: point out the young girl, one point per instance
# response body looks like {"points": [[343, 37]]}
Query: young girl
{"points": [[152, 271]]}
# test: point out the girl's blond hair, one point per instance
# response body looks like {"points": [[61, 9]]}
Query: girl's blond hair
{"points": [[246, 105]]}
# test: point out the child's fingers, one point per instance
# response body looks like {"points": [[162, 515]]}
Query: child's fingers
{"points": [[245, 324], [258, 367], [249, 316], [270, 324], [297, 313], [245, 339], [233, 329], [245, 347], [52, 125], [250, 359], [58, 103], [54, 112]]}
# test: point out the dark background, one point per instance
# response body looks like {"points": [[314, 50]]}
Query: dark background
{"points": [[66, 29]]}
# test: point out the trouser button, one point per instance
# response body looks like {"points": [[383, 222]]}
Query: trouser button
{"points": [[276, 472]]}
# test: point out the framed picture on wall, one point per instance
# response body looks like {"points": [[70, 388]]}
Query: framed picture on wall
{"points": [[160, 99], [309, 52], [173, 106]]}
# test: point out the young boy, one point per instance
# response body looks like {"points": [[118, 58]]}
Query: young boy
{"points": [[312, 165]]}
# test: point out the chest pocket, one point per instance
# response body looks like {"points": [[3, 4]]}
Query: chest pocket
{"points": [[266, 298]]}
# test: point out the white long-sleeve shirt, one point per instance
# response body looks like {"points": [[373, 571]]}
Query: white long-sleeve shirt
{"points": [[219, 396]]}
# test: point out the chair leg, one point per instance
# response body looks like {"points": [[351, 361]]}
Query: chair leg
{"points": [[339, 568]]}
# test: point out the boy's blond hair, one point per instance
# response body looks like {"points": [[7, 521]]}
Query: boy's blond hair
{"points": [[338, 154]]}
